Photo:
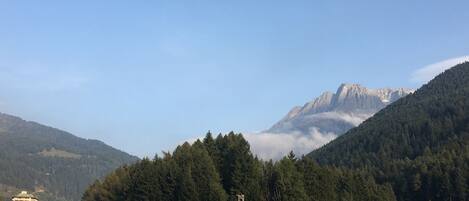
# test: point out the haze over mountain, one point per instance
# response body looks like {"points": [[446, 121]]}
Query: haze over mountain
{"points": [[321, 120], [53, 163]]}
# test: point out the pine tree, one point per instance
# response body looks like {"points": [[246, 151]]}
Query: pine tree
{"points": [[145, 180], [212, 148], [206, 175], [168, 177], [319, 183], [186, 187], [189, 174], [289, 181], [461, 185]]}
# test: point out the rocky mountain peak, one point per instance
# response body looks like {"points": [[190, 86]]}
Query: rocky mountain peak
{"points": [[340, 111], [350, 96], [320, 104], [346, 90]]}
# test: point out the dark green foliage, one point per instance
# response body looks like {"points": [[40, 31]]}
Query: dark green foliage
{"points": [[218, 169], [187, 174], [417, 149], [287, 181], [63, 176], [206, 175], [239, 170], [419, 144]]}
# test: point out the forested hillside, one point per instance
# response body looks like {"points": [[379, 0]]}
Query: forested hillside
{"points": [[218, 169], [54, 164], [419, 144], [416, 149]]}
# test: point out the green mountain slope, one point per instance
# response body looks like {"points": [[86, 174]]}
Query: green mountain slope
{"points": [[40, 158], [420, 143]]}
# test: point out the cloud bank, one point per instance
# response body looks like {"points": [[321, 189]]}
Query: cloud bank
{"points": [[354, 119], [268, 145], [427, 73], [276, 145]]}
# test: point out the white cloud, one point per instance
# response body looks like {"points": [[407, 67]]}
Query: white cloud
{"points": [[429, 72], [353, 118], [276, 145]]}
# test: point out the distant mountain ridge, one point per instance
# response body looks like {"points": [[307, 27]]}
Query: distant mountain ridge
{"points": [[53, 163], [338, 112]]}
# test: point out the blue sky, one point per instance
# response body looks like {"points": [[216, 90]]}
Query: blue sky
{"points": [[145, 75]]}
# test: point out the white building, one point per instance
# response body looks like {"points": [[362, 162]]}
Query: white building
{"points": [[240, 197], [24, 196]]}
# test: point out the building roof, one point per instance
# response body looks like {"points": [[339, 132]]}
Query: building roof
{"points": [[24, 194]]}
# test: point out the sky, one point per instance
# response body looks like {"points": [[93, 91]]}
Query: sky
{"points": [[143, 76]]}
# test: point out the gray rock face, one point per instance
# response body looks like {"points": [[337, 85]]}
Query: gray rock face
{"points": [[338, 112]]}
